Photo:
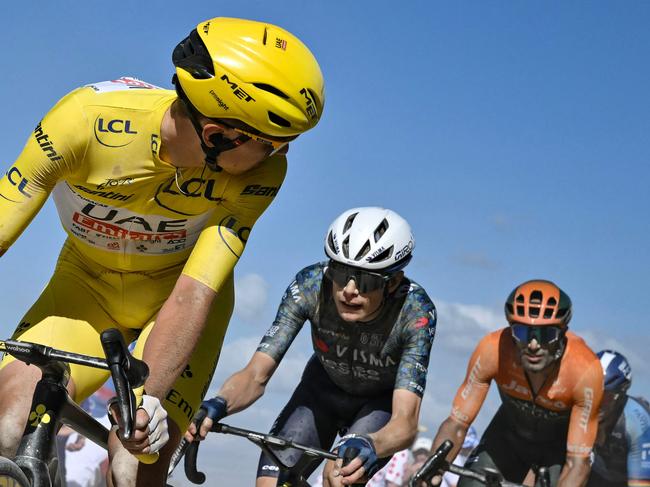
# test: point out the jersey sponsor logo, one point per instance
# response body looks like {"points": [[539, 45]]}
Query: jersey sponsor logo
{"points": [[281, 43], [258, 190], [364, 356], [15, 177], [294, 289], [237, 90], [235, 227], [514, 386], [586, 409], [168, 194], [375, 253], [309, 104], [174, 397], [459, 415], [101, 225], [472, 379], [45, 144], [272, 331], [345, 368], [531, 409], [272, 468], [155, 144], [123, 83], [111, 195], [110, 183], [114, 133]]}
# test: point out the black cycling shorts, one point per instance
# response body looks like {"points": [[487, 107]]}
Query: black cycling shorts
{"points": [[500, 448], [319, 410]]}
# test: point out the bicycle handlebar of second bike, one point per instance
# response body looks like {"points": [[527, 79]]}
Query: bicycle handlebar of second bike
{"points": [[190, 450], [437, 463]]}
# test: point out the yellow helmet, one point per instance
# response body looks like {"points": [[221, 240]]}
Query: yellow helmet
{"points": [[253, 72]]}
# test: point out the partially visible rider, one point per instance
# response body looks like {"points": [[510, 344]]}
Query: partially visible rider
{"points": [[622, 449], [158, 191], [550, 384], [372, 330]]}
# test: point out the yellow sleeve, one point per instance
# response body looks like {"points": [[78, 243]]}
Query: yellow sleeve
{"points": [[55, 148], [222, 241]]}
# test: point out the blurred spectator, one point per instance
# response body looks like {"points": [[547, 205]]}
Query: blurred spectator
{"points": [[419, 453], [471, 442], [85, 462]]}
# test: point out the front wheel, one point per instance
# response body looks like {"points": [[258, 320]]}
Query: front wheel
{"points": [[11, 475]]}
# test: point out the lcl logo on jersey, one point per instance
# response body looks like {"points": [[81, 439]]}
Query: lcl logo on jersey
{"points": [[114, 132]]}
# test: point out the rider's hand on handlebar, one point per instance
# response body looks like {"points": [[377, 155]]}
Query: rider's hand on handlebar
{"points": [[150, 431], [365, 462], [216, 409]]}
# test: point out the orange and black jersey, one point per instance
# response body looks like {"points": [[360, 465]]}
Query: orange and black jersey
{"points": [[565, 406]]}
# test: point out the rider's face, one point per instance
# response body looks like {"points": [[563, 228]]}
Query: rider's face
{"points": [[534, 356], [354, 306]]}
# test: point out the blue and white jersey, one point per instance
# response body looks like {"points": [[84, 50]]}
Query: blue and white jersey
{"points": [[624, 458]]}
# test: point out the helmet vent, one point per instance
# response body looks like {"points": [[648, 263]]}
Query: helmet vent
{"points": [[278, 120], [330, 242], [271, 89], [520, 299], [548, 313], [364, 250], [561, 312], [349, 222], [520, 311], [386, 254], [381, 229], [533, 311], [345, 247], [536, 297], [551, 301]]}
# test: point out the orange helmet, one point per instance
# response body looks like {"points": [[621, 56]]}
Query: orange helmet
{"points": [[538, 303]]}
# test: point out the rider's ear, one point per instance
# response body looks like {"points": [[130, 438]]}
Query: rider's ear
{"points": [[395, 281]]}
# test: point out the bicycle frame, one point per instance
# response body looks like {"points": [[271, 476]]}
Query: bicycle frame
{"points": [[52, 406]]}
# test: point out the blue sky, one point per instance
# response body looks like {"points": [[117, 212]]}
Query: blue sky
{"points": [[512, 135]]}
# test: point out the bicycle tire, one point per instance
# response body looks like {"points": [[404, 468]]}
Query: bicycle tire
{"points": [[12, 475]]}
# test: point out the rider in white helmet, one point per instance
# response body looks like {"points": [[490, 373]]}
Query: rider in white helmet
{"points": [[372, 330]]}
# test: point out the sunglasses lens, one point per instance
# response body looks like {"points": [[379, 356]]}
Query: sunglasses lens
{"points": [[543, 334], [365, 281]]}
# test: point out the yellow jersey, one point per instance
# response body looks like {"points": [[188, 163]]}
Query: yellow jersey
{"points": [[122, 206]]}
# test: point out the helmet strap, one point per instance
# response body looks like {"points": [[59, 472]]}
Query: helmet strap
{"points": [[219, 142]]}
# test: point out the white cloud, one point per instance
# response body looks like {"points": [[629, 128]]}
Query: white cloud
{"points": [[251, 295]]}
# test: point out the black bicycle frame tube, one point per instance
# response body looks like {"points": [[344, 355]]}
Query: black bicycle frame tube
{"points": [[51, 406]]}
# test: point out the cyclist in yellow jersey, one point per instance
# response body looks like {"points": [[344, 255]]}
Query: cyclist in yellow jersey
{"points": [[158, 191]]}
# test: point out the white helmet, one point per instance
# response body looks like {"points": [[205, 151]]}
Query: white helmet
{"points": [[371, 238]]}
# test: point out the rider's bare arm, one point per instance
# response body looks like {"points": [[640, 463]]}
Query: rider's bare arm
{"points": [[401, 429], [180, 321], [583, 426], [245, 387], [575, 472]]}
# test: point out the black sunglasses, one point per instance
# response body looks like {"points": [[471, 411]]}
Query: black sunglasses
{"points": [[365, 281], [544, 335]]}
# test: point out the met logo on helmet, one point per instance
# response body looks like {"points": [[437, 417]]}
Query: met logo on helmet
{"points": [[311, 106], [237, 91]]}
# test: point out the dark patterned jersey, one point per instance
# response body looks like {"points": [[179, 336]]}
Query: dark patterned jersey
{"points": [[362, 358]]}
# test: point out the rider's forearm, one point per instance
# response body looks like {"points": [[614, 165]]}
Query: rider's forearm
{"points": [[181, 320], [450, 430], [245, 387], [575, 472], [396, 435]]}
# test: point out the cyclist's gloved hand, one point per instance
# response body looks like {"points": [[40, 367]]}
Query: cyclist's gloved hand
{"points": [[361, 447], [158, 429], [215, 409]]}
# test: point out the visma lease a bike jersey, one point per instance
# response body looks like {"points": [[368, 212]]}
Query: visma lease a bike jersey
{"points": [[364, 359], [624, 456], [122, 206]]}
